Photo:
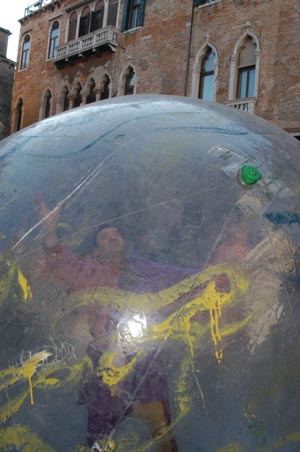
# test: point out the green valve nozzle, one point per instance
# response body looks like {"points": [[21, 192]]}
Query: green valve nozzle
{"points": [[250, 174]]}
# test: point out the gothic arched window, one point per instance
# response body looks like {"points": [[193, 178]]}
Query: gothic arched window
{"points": [[130, 82], [91, 97], [246, 70], [97, 16], [105, 88], [84, 24], [207, 76], [72, 27], [53, 40], [25, 52]]}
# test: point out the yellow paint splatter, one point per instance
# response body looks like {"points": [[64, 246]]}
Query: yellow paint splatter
{"points": [[178, 324], [182, 305], [7, 279], [291, 438], [27, 370], [233, 327], [110, 445], [109, 372], [153, 302], [12, 406], [19, 437], [233, 447], [24, 286], [42, 380], [212, 301]]}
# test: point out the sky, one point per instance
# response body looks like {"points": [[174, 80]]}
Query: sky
{"points": [[10, 12]]}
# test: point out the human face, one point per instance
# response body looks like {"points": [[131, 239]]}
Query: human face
{"points": [[109, 241]]}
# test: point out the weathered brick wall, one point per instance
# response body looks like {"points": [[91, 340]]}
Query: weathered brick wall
{"points": [[6, 86], [154, 50], [285, 96], [276, 25]]}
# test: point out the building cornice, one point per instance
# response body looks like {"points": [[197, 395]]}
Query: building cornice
{"points": [[5, 31], [8, 61], [49, 6]]}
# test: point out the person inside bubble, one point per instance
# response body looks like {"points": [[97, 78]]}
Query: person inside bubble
{"points": [[142, 391], [81, 272], [88, 273]]}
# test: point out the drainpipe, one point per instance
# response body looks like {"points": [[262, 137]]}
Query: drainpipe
{"points": [[188, 50]]}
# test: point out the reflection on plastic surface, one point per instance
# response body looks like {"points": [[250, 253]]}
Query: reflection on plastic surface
{"points": [[149, 281]]}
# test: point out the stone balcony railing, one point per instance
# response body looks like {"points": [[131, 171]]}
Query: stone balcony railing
{"points": [[34, 7], [247, 105], [104, 37]]}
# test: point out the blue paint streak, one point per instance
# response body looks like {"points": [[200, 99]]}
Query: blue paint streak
{"points": [[18, 146], [280, 218]]}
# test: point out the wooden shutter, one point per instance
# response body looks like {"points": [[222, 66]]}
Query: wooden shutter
{"points": [[141, 13]]}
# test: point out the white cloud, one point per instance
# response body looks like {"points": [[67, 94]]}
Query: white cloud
{"points": [[10, 13]]}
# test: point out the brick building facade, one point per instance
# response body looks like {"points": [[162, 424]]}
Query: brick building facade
{"points": [[7, 69], [239, 52]]}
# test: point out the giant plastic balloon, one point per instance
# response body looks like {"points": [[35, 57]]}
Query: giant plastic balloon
{"points": [[149, 281]]}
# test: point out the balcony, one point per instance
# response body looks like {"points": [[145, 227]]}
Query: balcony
{"points": [[34, 7], [106, 37], [247, 105]]}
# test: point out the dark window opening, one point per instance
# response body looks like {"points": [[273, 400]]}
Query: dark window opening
{"points": [[25, 53], [84, 24], [92, 94], [207, 75], [77, 101], [65, 99], [246, 82], [19, 114], [130, 82], [97, 16], [246, 71], [133, 14], [105, 90], [53, 42], [112, 13], [72, 27], [47, 105]]}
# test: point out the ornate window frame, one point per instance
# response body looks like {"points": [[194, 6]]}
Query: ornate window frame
{"points": [[46, 102], [50, 39], [17, 118], [197, 69], [233, 81], [25, 53], [123, 78]]}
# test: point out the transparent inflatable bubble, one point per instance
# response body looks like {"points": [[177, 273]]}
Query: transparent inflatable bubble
{"points": [[149, 281]]}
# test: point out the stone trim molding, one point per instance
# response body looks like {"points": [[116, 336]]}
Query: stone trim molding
{"points": [[234, 64], [197, 69]]}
